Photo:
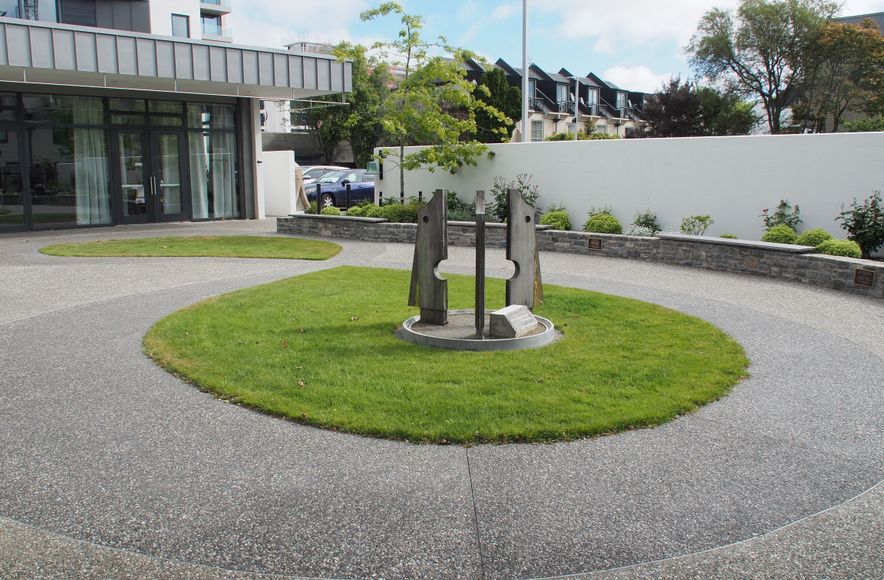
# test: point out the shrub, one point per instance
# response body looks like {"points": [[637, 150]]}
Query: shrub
{"points": [[865, 223], [696, 225], [606, 209], [813, 237], [359, 210], [728, 236], [847, 248], [312, 207], [373, 211], [784, 215], [603, 223], [647, 219], [460, 211], [557, 219], [330, 211], [640, 231], [780, 234], [498, 205]]}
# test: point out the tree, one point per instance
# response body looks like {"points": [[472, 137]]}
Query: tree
{"points": [[433, 104], [325, 120], [846, 73], [363, 124], [685, 110], [761, 50], [505, 98]]}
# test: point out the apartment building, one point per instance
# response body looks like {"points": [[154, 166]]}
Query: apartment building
{"points": [[133, 111], [603, 106]]}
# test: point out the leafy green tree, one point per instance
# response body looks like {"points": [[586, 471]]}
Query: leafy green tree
{"points": [[325, 119], [684, 110], [761, 50], [432, 104], [846, 73], [503, 97], [363, 123]]}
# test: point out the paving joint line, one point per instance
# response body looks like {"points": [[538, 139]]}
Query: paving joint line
{"points": [[475, 515]]}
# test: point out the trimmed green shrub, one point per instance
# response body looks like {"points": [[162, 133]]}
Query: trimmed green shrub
{"points": [[640, 231], [359, 210], [729, 236], [330, 211], [373, 211], [780, 234], [557, 219], [460, 211], [847, 248], [647, 219], [603, 223], [312, 207], [696, 225], [813, 237]]}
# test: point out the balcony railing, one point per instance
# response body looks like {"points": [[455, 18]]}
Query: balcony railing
{"points": [[215, 6]]}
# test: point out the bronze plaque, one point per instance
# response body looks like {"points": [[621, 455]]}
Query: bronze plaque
{"points": [[594, 244], [863, 277]]}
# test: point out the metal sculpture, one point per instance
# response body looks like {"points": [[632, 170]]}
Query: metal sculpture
{"points": [[428, 290], [525, 287]]}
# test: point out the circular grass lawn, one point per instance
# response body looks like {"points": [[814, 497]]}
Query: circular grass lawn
{"points": [[320, 349]]}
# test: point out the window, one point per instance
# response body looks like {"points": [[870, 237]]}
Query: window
{"points": [[537, 130], [181, 25], [562, 93], [593, 97], [621, 100], [532, 88], [29, 9], [212, 25]]}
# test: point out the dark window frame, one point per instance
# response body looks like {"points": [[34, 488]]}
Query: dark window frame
{"points": [[186, 19]]}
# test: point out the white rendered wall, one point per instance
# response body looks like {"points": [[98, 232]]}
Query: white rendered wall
{"points": [[279, 183], [730, 178], [161, 16]]}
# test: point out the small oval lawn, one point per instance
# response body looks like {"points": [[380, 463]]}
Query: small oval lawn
{"points": [[320, 349], [200, 246]]}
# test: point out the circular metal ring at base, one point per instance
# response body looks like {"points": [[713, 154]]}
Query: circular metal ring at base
{"points": [[459, 334]]}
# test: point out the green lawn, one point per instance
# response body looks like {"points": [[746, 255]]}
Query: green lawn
{"points": [[202, 246], [320, 349]]}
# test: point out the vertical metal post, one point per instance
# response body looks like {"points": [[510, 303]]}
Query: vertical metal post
{"points": [[381, 198], [420, 197], [576, 108], [348, 196], [402, 197], [480, 264], [525, 123], [318, 197]]}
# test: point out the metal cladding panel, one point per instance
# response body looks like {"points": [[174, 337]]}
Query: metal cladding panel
{"points": [[4, 55], [107, 54], [280, 70], [183, 61], [165, 60], [41, 48], [87, 58], [249, 67], [63, 49], [234, 66], [309, 73], [18, 45], [348, 77], [296, 72], [127, 56], [217, 64], [323, 75], [337, 77], [145, 52], [265, 68], [201, 62]]}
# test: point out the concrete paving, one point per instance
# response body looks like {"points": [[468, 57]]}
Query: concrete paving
{"points": [[112, 467]]}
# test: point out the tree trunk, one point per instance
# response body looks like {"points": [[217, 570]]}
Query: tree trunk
{"points": [[401, 172]]}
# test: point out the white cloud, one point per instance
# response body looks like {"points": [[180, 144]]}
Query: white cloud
{"points": [[633, 23], [506, 10], [636, 78], [271, 24]]}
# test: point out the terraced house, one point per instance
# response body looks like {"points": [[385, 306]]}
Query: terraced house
{"points": [[131, 111], [603, 106]]}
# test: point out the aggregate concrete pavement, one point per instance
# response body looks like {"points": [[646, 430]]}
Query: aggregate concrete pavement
{"points": [[112, 467]]}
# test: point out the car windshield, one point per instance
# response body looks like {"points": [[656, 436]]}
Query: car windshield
{"points": [[332, 177], [314, 173]]}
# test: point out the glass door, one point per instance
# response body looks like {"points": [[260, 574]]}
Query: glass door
{"points": [[134, 167], [167, 181]]}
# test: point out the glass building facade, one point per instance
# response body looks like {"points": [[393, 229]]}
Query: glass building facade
{"points": [[76, 161]]}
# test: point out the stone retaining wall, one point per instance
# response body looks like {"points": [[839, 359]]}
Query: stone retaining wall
{"points": [[788, 262]]}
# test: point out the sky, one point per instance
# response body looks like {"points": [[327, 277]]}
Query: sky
{"points": [[637, 44]]}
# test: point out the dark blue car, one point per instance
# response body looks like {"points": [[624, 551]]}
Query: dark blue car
{"points": [[333, 188]]}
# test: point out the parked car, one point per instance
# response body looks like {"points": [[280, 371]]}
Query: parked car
{"points": [[314, 172], [333, 188]]}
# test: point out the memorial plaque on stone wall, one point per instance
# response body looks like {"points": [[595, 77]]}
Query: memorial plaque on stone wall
{"points": [[594, 244], [864, 278]]}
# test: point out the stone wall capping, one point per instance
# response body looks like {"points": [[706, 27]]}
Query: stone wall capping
{"points": [[780, 261], [788, 248]]}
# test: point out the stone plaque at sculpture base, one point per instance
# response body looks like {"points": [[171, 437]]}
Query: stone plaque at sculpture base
{"points": [[512, 321]]}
